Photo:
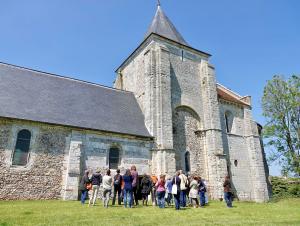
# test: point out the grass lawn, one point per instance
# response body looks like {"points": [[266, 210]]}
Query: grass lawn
{"points": [[283, 212]]}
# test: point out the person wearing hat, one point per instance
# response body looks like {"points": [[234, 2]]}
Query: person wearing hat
{"points": [[96, 181]]}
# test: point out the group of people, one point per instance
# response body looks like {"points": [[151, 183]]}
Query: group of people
{"points": [[184, 190]]}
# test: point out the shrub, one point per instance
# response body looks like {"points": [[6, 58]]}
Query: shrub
{"points": [[285, 187]]}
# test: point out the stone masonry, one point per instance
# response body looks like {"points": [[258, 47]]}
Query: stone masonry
{"points": [[58, 157], [176, 89]]}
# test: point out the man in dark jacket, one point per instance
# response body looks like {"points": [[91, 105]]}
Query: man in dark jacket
{"points": [[117, 187], [96, 181], [227, 192], [82, 186], [176, 180]]}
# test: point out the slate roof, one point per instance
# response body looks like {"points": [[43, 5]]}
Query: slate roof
{"points": [[38, 96], [162, 26]]}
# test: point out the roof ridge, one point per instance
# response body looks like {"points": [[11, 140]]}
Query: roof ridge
{"points": [[63, 77]]}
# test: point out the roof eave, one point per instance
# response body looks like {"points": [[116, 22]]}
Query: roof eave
{"points": [[237, 98], [80, 127]]}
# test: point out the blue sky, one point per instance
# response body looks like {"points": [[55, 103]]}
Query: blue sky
{"points": [[250, 41]]}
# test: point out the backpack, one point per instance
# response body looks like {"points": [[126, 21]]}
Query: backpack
{"points": [[117, 180]]}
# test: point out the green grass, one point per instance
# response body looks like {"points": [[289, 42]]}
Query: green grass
{"points": [[283, 212]]}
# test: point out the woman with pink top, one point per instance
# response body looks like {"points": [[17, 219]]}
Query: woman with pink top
{"points": [[160, 191], [135, 184]]}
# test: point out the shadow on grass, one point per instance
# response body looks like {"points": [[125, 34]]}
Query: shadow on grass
{"points": [[3, 224], [28, 213]]}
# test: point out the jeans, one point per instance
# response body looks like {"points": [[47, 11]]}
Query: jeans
{"points": [[183, 198], [169, 198], [161, 199], [127, 198], [106, 194], [83, 196], [117, 189], [177, 201], [206, 198], [228, 198], [202, 198], [93, 197]]}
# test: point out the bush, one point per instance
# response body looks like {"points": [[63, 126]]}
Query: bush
{"points": [[285, 187]]}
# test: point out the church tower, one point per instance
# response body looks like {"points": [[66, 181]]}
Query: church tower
{"points": [[176, 89]]}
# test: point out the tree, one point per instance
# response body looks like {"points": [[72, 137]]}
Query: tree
{"points": [[281, 107]]}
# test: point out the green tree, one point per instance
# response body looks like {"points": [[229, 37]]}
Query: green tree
{"points": [[281, 107]]}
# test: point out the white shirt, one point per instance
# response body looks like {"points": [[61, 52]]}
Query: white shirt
{"points": [[107, 180], [183, 180]]}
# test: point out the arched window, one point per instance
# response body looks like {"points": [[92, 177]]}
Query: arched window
{"points": [[228, 121], [187, 162], [114, 158], [20, 157]]}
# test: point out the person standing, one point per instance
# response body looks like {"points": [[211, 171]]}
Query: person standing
{"points": [[176, 181], [135, 182], [189, 200], [183, 188], [82, 186], [107, 186], [227, 192], [127, 189], [160, 191], [202, 190], [96, 181], [117, 187], [153, 189], [169, 190], [206, 195], [146, 188], [193, 194]]}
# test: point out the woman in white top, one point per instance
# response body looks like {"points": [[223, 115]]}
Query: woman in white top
{"points": [[107, 186], [194, 192]]}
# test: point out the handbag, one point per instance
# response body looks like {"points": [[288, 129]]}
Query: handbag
{"points": [[88, 186], [174, 188]]}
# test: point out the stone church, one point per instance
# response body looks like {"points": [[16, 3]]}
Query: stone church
{"points": [[165, 112]]}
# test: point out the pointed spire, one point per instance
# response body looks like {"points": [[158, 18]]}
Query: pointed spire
{"points": [[162, 26]]}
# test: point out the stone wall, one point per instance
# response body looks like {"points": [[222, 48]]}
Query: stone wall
{"points": [[58, 157], [165, 76], [236, 149], [185, 126], [41, 178], [244, 153], [147, 74], [133, 151]]}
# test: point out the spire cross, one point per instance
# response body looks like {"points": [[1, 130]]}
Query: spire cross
{"points": [[158, 2]]}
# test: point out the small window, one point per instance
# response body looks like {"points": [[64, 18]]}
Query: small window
{"points": [[228, 121], [114, 157], [21, 153], [235, 163], [187, 162]]}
